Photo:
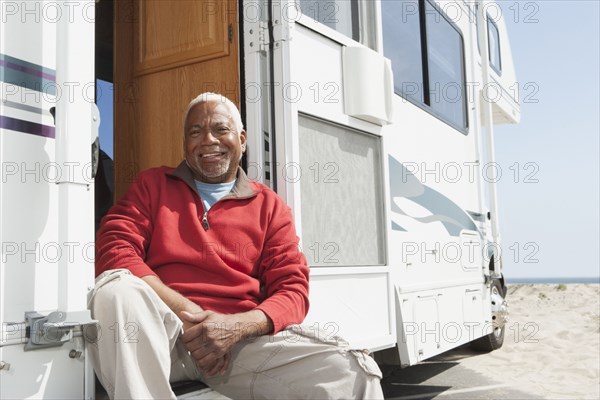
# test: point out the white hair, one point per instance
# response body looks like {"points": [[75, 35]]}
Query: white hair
{"points": [[209, 96]]}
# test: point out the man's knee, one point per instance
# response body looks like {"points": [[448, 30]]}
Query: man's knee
{"points": [[117, 288]]}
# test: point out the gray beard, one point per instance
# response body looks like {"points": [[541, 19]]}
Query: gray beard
{"points": [[217, 171]]}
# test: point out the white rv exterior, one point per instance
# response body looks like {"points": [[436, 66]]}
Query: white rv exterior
{"points": [[388, 189], [46, 197], [372, 119]]}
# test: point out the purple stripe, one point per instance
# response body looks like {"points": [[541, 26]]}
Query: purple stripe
{"points": [[27, 70], [26, 127]]}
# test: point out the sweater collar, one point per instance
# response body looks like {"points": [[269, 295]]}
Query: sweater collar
{"points": [[243, 186]]}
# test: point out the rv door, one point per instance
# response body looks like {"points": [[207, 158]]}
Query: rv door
{"points": [[317, 96]]}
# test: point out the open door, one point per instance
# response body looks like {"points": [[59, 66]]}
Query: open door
{"points": [[166, 53], [326, 164]]}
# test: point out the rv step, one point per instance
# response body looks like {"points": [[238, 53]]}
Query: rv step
{"points": [[189, 390]]}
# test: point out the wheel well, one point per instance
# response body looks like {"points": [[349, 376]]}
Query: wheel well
{"points": [[500, 278]]}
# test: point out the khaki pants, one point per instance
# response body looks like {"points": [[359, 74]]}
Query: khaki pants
{"points": [[136, 352]]}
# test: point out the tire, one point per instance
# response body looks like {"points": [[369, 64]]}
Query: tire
{"points": [[495, 339]]}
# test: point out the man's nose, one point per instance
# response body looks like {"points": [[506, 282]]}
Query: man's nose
{"points": [[208, 138]]}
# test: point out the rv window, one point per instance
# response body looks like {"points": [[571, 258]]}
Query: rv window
{"points": [[427, 55], [445, 67], [341, 195], [341, 15], [494, 46], [402, 45], [493, 43]]}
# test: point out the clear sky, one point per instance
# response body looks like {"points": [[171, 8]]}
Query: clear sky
{"points": [[549, 192], [555, 222], [104, 99]]}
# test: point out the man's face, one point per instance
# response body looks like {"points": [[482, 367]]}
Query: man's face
{"points": [[213, 148]]}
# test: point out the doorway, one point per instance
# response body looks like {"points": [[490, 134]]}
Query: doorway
{"points": [[158, 55]]}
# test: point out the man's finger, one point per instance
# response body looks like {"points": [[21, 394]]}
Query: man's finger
{"points": [[209, 363], [217, 367], [225, 366], [196, 317]]}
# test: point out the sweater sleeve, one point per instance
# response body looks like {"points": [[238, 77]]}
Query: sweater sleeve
{"points": [[284, 272], [125, 231]]}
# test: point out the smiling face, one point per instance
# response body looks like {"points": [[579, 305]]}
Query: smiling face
{"points": [[213, 147]]}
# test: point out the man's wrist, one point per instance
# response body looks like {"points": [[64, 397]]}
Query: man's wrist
{"points": [[174, 300], [255, 323]]}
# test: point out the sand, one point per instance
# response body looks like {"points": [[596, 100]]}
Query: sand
{"points": [[552, 344]]}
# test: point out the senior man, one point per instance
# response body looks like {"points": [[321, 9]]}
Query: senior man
{"points": [[200, 277]]}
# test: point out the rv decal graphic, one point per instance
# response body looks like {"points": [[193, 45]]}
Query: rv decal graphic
{"points": [[20, 73], [32, 128], [28, 75], [410, 198]]}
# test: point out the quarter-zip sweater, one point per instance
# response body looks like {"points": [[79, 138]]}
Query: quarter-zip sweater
{"points": [[241, 255]]}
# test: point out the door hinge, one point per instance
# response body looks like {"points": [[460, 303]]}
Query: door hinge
{"points": [[257, 38], [230, 33]]}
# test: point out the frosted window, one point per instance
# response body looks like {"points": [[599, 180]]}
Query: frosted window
{"points": [[342, 203]]}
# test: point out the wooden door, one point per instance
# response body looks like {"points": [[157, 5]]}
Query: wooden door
{"points": [[166, 53]]}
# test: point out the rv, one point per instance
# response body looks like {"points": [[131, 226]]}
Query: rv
{"points": [[373, 120]]}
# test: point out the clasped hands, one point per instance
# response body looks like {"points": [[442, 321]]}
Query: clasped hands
{"points": [[210, 337]]}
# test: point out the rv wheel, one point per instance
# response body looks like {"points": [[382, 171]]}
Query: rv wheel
{"points": [[495, 339]]}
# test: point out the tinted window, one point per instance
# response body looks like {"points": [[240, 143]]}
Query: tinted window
{"points": [[402, 45], [427, 55], [494, 45], [445, 67], [341, 15]]}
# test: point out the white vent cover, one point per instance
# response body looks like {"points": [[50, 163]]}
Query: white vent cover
{"points": [[368, 85]]}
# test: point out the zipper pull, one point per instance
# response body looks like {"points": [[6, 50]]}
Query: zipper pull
{"points": [[205, 221]]}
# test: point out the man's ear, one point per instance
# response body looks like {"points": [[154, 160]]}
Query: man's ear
{"points": [[243, 140]]}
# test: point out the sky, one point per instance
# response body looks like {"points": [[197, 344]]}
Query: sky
{"points": [[550, 227], [548, 195], [104, 99]]}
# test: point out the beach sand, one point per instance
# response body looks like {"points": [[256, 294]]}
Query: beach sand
{"points": [[552, 342]]}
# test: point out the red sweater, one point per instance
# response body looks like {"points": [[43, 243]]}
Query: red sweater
{"points": [[244, 256]]}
